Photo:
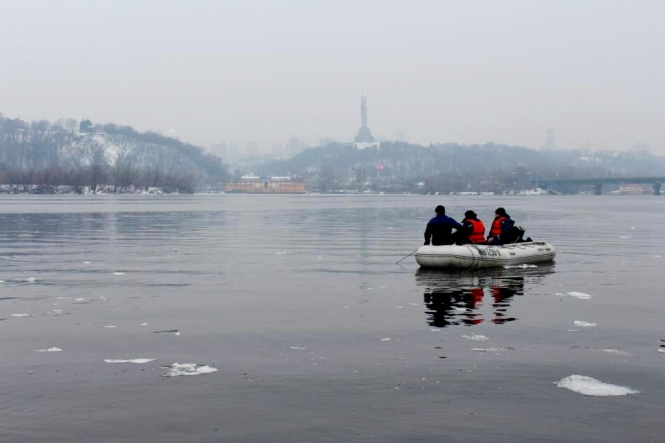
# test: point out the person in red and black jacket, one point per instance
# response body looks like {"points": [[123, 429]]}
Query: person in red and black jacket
{"points": [[474, 228], [500, 232]]}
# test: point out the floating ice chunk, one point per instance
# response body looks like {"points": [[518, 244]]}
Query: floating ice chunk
{"points": [[63, 298], [590, 386], [435, 330], [524, 266], [298, 348], [138, 361], [177, 333], [110, 326], [30, 280], [616, 352], [476, 337], [86, 262], [413, 304], [459, 309], [320, 258], [54, 349], [580, 295], [178, 369], [118, 273], [657, 256], [584, 324], [625, 236], [20, 315], [661, 349], [2, 281], [282, 253], [399, 307], [494, 350], [79, 299], [386, 339], [144, 324]]}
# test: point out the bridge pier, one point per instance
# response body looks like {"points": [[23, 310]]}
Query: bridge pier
{"points": [[598, 188], [656, 188]]}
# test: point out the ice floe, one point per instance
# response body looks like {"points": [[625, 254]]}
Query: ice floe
{"points": [[298, 348], [590, 386], [110, 326], [144, 324], [386, 339], [118, 273], [476, 337], [86, 262], [54, 349], [138, 361], [493, 350], [661, 350], [580, 295], [79, 299], [282, 253], [625, 237], [524, 266], [584, 324], [30, 280], [613, 351], [20, 315], [179, 369]]}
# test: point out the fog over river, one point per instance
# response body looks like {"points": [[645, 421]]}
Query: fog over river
{"points": [[290, 321]]}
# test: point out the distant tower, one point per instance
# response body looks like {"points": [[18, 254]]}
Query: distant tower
{"points": [[549, 139], [364, 134]]}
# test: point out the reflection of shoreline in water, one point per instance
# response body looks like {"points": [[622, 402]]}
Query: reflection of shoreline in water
{"points": [[458, 298]]}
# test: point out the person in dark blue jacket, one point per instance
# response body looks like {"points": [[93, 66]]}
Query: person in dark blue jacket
{"points": [[440, 228]]}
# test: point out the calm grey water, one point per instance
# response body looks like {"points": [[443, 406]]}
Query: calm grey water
{"points": [[293, 300]]}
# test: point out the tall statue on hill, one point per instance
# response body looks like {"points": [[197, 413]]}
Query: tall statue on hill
{"points": [[364, 134]]}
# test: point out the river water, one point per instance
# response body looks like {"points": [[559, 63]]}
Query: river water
{"points": [[315, 333]]}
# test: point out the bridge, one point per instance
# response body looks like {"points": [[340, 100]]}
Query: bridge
{"points": [[598, 183]]}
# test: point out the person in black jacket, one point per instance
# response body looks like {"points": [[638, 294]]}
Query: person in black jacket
{"points": [[439, 229]]}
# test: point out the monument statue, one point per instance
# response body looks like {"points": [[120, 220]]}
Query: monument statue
{"points": [[364, 134]]}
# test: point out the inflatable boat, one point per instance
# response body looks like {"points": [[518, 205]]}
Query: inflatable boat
{"points": [[484, 256]]}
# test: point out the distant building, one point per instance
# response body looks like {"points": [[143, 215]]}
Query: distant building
{"points": [[172, 133], [364, 137], [253, 184], [234, 151], [294, 146], [220, 150], [549, 139], [251, 149]]}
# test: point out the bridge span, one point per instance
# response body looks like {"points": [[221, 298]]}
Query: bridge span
{"points": [[597, 183]]}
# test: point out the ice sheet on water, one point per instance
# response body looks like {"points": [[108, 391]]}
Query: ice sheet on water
{"points": [[493, 350], [524, 266], [613, 351], [590, 386], [20, 315], [580, 295], [54, 349], [180, 369], [138, 361], [476, 337], [118, 273], [584, 324]]}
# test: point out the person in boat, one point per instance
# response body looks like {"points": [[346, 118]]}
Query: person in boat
{"points": [[440, 228], [473, 228], [503, 230]]}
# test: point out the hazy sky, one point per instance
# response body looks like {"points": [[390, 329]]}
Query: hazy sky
{"points": [[459, 71]]}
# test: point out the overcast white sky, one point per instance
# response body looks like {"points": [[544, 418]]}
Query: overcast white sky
{"points": [[459, 71]]}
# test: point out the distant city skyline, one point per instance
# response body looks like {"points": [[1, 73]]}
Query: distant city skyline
{"points": [[263, 72]]}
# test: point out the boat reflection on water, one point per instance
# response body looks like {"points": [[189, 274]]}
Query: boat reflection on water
{"points": [[476, 296]]}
